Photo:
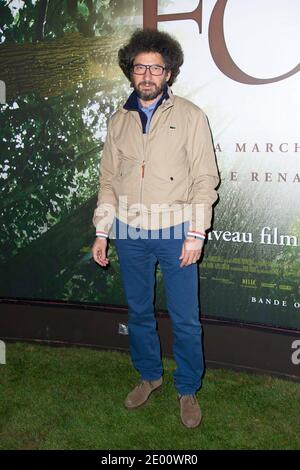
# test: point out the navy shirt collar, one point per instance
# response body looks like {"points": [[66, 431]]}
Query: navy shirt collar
{"points": [[132, 103]]}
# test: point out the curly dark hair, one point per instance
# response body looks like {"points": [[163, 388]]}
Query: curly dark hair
{"points": [[151, 40]]}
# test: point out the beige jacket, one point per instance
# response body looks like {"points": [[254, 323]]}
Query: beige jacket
{"points": [[162, 178]]}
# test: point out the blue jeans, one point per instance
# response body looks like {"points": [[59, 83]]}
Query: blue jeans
{"points": [[138, 256]]}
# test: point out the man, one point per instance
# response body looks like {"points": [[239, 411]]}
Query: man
{"points": [[157, 186]]}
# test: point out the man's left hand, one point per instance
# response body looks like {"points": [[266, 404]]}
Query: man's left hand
{"points": [[191, 251]]}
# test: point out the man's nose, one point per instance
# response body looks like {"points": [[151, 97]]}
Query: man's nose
{"points": [[148, 73]]}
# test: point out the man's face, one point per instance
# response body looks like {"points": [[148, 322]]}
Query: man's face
{"points": [[148, 86]]}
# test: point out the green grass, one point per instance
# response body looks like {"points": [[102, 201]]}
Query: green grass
{"points": [[72, 398]]}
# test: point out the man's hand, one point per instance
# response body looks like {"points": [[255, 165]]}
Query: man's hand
{"points": [[191, 251], [99, 251]]}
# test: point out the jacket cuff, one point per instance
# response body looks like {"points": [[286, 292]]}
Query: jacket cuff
{"points": [[103, 219], [100, 234], [196, 234]]}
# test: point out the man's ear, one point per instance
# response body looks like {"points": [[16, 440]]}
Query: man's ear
{"points": [[169, 74]]}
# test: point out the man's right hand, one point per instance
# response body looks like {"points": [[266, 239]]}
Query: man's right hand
{"points": [[99, 251]]}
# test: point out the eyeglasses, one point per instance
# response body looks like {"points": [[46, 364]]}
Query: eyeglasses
{"points": [[140, 69]]}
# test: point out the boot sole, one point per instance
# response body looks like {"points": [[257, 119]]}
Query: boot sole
{"points": [[191, 427]]}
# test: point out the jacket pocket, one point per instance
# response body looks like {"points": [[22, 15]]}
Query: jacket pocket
{"points": [[126, 181], [170, 186]]}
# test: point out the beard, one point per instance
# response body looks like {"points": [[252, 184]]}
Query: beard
{"points": [[151, 93]]}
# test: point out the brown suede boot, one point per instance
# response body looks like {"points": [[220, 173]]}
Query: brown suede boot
{"points": [[140, 394], [190, 412]]}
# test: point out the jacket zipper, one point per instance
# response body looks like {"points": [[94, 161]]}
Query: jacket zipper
{"points": [[143, 169], [142, 180]]}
